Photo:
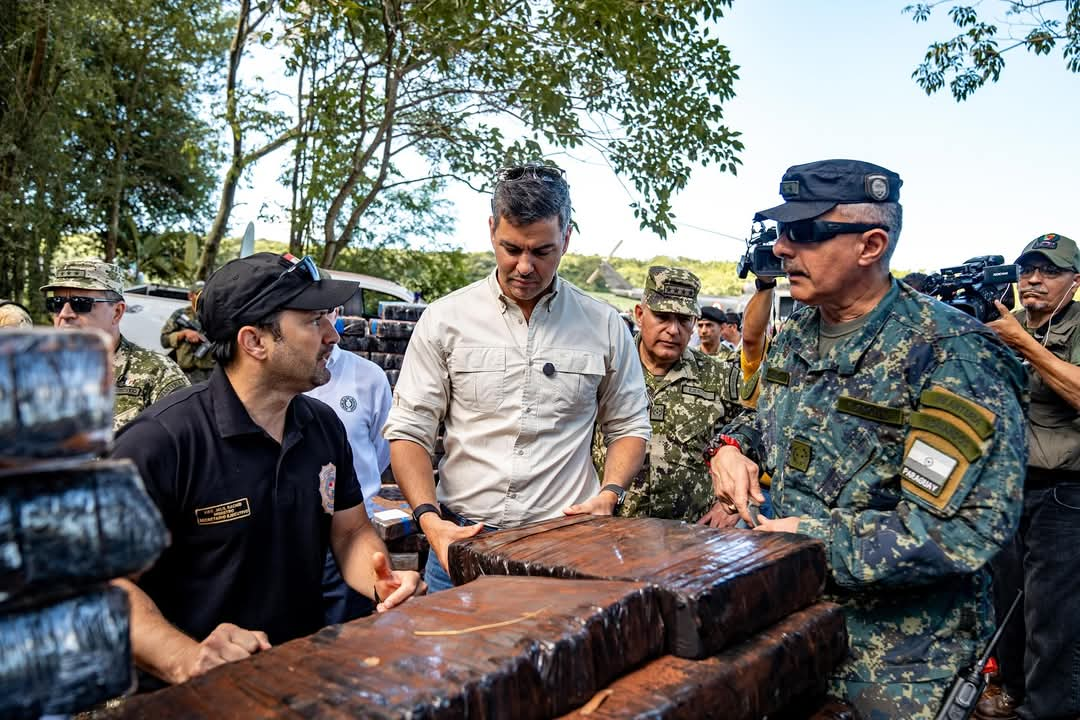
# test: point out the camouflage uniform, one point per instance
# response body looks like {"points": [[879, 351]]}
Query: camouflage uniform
{"points": [[141, 377], [687, 405], [903, 450], [183, 352]]}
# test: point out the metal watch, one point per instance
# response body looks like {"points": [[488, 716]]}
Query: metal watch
{"points": [[620, 493]]}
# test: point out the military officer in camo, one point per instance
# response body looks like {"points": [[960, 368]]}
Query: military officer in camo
{"points": [[892, 426], [690, 398], [88, 293]]}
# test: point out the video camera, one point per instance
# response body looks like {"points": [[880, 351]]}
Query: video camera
{"points": [[974, 286], [759, 258]]}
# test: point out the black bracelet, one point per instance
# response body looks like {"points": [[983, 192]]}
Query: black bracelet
{"points": [[763, 284]]}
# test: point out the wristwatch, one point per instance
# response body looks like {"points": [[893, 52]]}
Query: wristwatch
{"points": [[620, 495], [423, 510]]}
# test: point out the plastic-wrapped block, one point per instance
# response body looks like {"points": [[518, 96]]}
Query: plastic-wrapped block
{"points": [[387, 345], [392, 377], [65, 657], [56, 394], [354, 326], [64, 527], [497, 648], [387, 361], [355, 343], [401, 311], [392, 329], [717, 587], [762, 676]]}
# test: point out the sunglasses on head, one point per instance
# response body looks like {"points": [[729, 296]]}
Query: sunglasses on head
{"points": [[533, 172], [304, 264], [812, 231], [79, 303]]}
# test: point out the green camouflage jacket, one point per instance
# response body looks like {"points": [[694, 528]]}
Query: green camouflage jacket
{"points": [[687, 406], [184, 352], [142, 378], [903, 450]]}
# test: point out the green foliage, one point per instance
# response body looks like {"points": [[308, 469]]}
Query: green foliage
{"points": [[432, 273], [975, 55]]}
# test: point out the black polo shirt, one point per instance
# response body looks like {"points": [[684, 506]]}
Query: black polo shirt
{"points": [[250, 518]]}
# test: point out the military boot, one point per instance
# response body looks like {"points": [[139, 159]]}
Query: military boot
{"points": [[996, 704]]}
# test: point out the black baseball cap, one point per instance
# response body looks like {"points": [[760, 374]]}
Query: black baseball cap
{"points": [[242, 292], [815, 188]]}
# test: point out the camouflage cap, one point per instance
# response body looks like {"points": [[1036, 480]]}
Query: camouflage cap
{"points": [[87, 274], [1058, 249], [671, 290]]}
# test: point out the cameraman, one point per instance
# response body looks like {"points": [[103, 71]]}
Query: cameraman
{"points": [[183, 332], [1045, 675]]}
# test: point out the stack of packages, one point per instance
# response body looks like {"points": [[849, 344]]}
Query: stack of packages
{"points": [[383, 340], [68, 524], [621, 618]]}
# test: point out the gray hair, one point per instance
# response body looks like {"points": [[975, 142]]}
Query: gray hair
{"points": [[890, 214], [531, 198]]}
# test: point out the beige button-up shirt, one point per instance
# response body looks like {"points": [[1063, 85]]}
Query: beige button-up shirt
{"points": [[518, 439]]}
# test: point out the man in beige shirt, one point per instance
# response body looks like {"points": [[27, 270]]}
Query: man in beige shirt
{"points": [[519, 366]]}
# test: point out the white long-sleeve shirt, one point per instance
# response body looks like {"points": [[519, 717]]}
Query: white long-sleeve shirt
{"points": [[359, 393], [518, 439]]}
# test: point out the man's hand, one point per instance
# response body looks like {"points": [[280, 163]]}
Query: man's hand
{"points": [[394, 586], [441, 533], [719, 517], [227, 643], [190, 336], [1008, 328], [602, 504], [788, 524], [735, 477]]}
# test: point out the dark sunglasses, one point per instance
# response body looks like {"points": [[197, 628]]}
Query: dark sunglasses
{"points": [[304, 264], [1047, 271], [813, 231], [79, 303], [533, 172]]}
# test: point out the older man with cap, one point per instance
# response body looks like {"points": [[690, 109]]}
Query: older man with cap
{"points": [[892, 427], [89, 293], [1039, 655], [519, 366], [253, 479], [690, 398], [183, 335]]}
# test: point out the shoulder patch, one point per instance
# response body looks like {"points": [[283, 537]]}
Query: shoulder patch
{"points": [[780, 377], [950, 430], [932, 470], [870, 411], [977, 418]]}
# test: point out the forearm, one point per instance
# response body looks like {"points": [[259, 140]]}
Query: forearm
{"points": [[156, 644], [412, 470], [756, 323], [354, 551], [624, 459]]}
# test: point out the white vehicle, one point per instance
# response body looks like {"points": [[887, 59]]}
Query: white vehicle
{"points": [[149, 306]]}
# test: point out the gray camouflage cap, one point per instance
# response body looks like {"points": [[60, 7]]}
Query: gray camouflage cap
{"points": [[87, 274], [671, 290]]}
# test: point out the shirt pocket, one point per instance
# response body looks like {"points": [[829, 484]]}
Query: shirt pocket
{"points": [[575, 381], [476, 377]]}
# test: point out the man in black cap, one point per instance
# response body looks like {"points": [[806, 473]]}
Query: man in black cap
{"points": [[1039, 655], [708, 327], [891, 425], [253, 480]]}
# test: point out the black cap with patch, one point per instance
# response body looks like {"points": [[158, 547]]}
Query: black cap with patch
{"points": [[244, 291], [815, 188]]}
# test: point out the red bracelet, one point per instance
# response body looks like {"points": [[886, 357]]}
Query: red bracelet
{"points": [[720, 441]]}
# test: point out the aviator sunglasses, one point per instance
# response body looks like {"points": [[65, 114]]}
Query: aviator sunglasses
{"points": [[813, 231], [79, 303], [533, 172]]}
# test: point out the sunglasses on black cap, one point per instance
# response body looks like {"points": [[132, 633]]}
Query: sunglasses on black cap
{"points": [[81, 304], [533, 172], [812, 231]]}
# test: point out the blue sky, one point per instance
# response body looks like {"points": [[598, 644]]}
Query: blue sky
{"points": [[833, 79]]}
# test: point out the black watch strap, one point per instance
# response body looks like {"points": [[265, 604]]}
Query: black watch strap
{"points": [[423, 510], [763, 284], [620, 493]]}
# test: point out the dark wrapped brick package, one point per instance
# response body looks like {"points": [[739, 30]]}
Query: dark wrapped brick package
{"points": [[762, 676], [65, 526], [56, 394], [65, 657], [500, 647], [717, 587]]}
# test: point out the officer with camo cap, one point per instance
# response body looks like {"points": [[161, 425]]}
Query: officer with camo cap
{"points": [[690, 398], [892, 427], [88, 293]]}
